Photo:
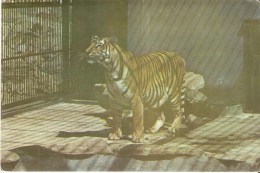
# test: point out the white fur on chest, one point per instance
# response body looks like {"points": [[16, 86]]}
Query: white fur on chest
{"points": [[119, 91]]}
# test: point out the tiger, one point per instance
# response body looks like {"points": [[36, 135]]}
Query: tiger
{"points": [[148, 81]]}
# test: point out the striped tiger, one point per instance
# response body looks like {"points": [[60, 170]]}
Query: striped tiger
{"points": [[150, 81]]}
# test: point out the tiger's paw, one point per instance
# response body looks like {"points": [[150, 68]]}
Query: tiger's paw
{"points": [[152, 130], [115, 135], [136, 139], [157, 125], [172, 130]]}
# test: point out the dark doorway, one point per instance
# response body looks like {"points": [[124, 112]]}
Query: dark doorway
{"points": [[103, 18]]}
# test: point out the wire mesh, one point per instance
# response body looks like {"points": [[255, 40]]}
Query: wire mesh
{"points": [[32, 59]]}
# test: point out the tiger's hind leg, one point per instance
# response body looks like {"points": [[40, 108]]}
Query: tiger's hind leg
{"points": [[158, 123], [176, 107]]}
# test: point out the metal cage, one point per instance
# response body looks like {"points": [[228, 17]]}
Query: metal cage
{"points": [[35, 46]]}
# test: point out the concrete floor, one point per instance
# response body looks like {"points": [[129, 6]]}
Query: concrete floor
{"points": [[63, 136]]}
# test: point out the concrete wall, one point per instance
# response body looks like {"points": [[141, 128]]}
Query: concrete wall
{"points": [[204, 32]]}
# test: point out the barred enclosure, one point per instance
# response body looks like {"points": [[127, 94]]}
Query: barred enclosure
{"points": [[35, 46]]}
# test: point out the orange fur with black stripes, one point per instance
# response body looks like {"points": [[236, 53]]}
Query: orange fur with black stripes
{"points": [[142, 82]]}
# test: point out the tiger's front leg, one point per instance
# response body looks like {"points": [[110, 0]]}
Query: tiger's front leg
{"points": [[138, 110], [116, 125]]}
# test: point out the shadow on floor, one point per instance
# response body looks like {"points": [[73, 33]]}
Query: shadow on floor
{"points": [[39, 159]]}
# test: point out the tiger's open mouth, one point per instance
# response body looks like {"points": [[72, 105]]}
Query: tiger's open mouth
{"points": [[91, 58]]}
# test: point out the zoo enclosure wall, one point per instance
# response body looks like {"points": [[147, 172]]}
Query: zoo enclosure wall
{"points": [[42, 39]]}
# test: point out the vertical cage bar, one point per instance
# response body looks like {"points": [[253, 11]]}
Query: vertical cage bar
{"points": [[13, 62], [65, 45]]}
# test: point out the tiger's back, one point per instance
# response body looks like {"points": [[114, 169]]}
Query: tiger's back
{"points": [[159, 77]]}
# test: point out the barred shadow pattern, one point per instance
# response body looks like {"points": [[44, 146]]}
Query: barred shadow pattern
{"points": [[70, 129]]}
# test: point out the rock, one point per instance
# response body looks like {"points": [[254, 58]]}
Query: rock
{"points": [[181, 131], [194, 81], [9, 160], [232, 110], [194, 96], [193, 121], [192, 118]]}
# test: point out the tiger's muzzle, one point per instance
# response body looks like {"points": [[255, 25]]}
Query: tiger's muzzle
{"points": [[91, 58]]}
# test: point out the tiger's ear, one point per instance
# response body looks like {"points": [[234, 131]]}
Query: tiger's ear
{"points": [[113, 39], [95, 38]]}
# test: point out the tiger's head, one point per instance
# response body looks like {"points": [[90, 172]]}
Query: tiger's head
{"points": [[100, 50]]}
